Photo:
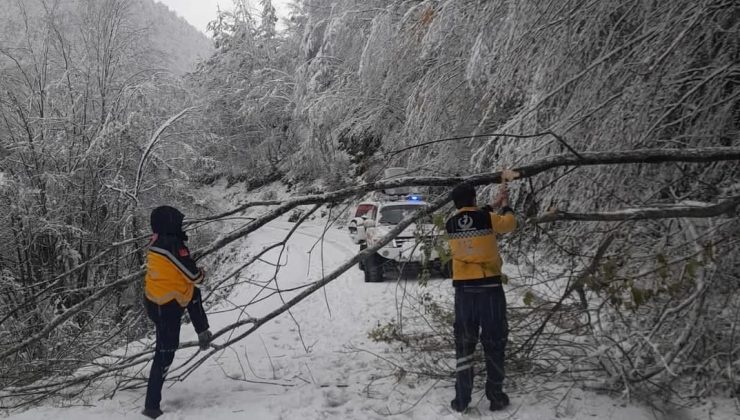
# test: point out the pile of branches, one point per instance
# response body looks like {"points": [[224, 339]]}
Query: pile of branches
{"points": [[667, 332]]}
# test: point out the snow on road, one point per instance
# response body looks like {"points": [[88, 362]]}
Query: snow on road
{"points": [[317, 362]]}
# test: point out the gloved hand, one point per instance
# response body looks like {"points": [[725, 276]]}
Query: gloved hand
{"points": [[204, 339], [502, 198]]}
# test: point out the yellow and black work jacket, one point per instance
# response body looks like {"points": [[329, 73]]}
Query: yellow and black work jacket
{"points": [[472, 237], [170, 271]]}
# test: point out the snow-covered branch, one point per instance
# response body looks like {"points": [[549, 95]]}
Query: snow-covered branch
{"points": [[152, 142], [698, 210]]}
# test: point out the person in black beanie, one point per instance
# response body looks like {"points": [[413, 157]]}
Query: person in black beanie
{"points": [[480, 302], [169, 289]]}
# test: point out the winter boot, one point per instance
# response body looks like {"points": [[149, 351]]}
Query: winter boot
{"points": [[204, 339], [152, 413], [458, 405], [499, 400]]}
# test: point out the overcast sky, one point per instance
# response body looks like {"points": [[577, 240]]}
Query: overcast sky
{"points": [[200, 12]]}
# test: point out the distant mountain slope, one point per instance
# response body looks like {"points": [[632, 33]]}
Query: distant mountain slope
{"points": [[172, 43], [181, 44]]}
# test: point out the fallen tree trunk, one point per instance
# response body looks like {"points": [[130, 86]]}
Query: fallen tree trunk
{"points": [[652, 156]]}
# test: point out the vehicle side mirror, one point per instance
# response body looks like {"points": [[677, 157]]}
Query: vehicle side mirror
{"points": [[368, 223]]}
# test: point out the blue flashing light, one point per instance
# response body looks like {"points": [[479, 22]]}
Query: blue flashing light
{"points": [[413, 197]]}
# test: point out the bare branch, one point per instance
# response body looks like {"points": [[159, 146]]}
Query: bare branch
{"points": [[573, 285]]}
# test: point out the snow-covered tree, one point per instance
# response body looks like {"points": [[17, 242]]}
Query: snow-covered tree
{"points": [[268, 19]]}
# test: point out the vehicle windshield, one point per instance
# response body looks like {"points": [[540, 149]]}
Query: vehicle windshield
{"points": [[394, 214]]}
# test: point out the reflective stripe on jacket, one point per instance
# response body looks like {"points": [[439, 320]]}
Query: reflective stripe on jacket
{"points": [[472, 237], [171, 273]]}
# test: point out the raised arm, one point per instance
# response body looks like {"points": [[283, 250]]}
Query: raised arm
{"points": [[505, 220]]}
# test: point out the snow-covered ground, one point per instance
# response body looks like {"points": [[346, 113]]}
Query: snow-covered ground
{"points": [[322, 364]]}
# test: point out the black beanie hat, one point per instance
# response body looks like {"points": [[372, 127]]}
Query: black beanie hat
{"points": [[463, 196], [168, 220]]}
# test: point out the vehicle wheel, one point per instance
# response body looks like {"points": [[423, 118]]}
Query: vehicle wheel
{"points": [[373, 269], [361, 264]]}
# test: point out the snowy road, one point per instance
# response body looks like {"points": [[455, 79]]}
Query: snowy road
{"points": [[315, 353]]}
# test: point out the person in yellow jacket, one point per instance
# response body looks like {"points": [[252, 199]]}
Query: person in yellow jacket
{"points": [[169, 289], [480, 303]]}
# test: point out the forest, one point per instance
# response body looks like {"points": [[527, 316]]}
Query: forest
{"points": [[620, 118]]}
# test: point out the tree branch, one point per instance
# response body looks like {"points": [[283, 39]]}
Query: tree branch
{"points": [[573, 285], [650, 156], [667, 212], [151, 144]]}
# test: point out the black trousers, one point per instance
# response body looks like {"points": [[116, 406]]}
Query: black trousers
{"points": [[480, 312], [166, 320]]}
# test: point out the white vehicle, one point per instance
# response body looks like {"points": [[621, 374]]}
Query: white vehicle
{"points": [[414, 246], [368, 210]]}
